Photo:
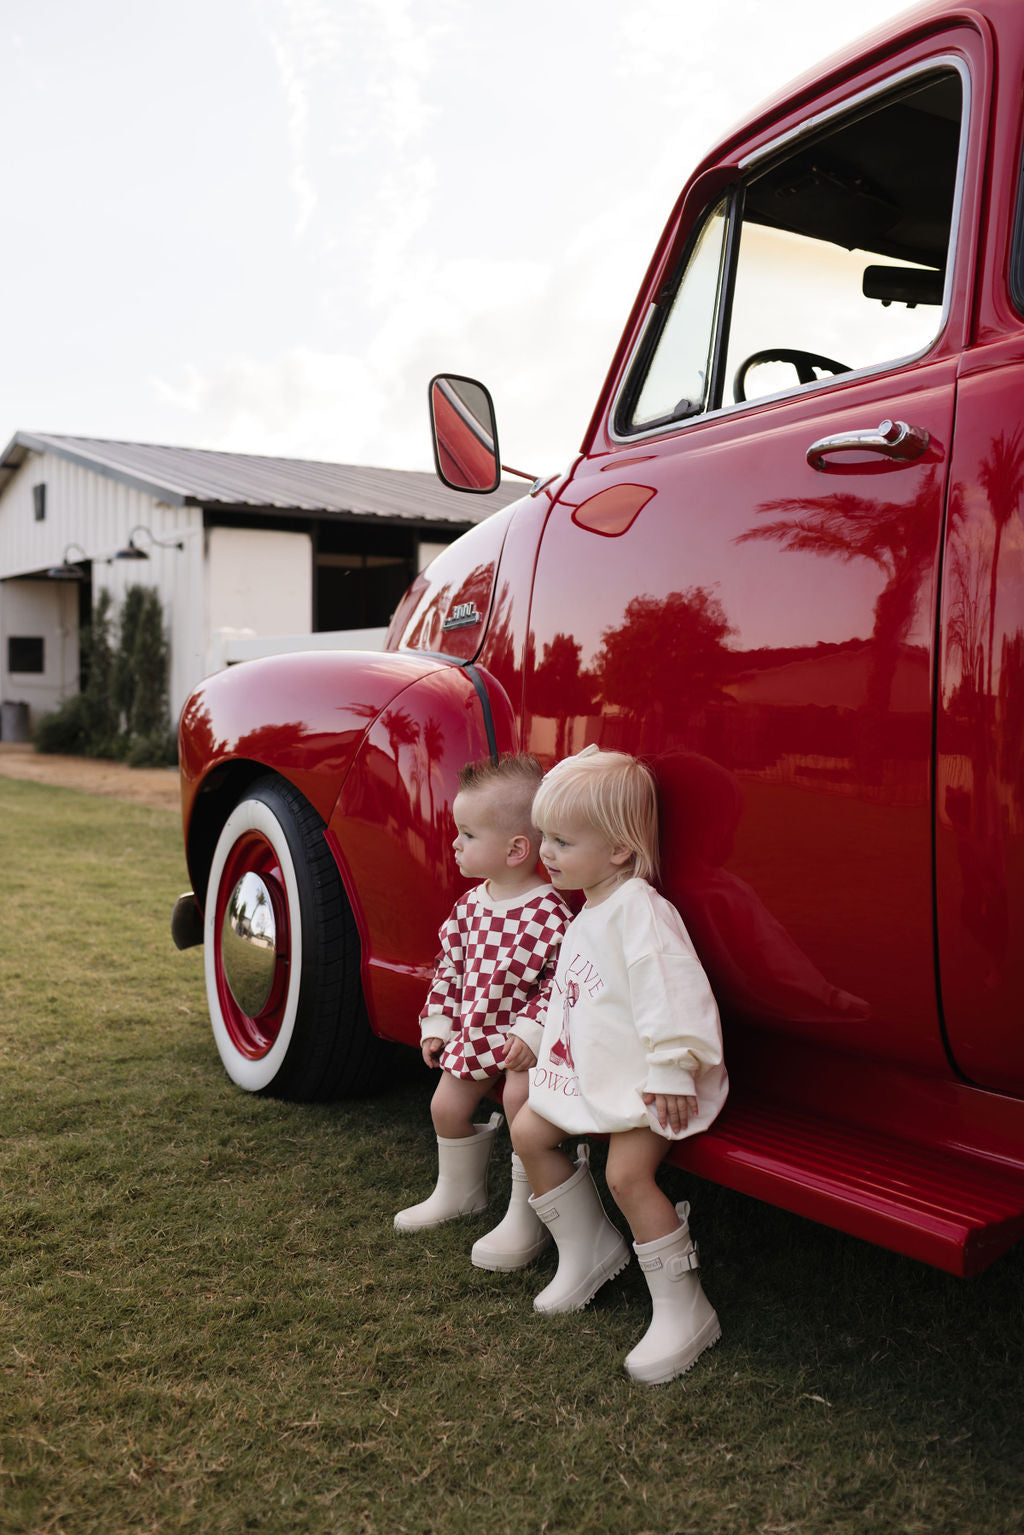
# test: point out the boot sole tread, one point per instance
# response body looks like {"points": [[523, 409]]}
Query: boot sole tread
{"points": [[498, 1262], [442, 1220], [579, 1305], [501, 1266], [674, 1371]]}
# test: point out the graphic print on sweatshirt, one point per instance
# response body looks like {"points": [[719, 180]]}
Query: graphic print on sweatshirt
{"points": [[579, 978], [561, 1050]]}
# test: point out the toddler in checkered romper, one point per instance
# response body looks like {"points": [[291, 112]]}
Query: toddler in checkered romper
{"points": [[485, 1010]]}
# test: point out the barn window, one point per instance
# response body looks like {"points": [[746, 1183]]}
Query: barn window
{"points": [[25, 653]]}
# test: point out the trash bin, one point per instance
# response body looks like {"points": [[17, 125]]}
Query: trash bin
{"points": [[14, 722]]}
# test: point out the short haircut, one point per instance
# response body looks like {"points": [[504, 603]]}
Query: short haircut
{"points": [[518, 775], [610, 791]]}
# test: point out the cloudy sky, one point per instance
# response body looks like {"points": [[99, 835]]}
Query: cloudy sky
{"points": [[261, 225]]}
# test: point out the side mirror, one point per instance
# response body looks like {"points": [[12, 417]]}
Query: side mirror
{"points": [[465, 434]]}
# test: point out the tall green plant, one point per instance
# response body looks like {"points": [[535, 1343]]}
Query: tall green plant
{"points": [[141, 664], [98, 660]]}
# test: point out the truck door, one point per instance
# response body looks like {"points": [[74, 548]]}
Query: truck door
{"points": [[740, 580], [980, 728]]}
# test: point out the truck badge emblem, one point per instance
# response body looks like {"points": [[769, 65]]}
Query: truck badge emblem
{"points": [[462, 616]]}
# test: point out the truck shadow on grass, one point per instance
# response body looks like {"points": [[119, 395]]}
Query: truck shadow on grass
{"points": [[831, 1348]]}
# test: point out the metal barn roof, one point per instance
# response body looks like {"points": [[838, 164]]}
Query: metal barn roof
{"points": [[200, 477]]}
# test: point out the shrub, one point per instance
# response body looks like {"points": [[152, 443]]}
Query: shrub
{"points": [[66, 730], [122, 708], [158, 749]]}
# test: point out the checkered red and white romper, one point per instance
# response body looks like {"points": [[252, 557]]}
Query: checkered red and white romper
{"points": [[495, 968]]}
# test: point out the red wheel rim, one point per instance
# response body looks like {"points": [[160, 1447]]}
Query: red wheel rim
{"points": [[254, 1035]]}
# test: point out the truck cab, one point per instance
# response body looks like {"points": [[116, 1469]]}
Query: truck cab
{"points": [[785, 569]]}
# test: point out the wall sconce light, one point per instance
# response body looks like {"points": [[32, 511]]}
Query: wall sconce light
{"points": [[69, 570], [131, 550]]}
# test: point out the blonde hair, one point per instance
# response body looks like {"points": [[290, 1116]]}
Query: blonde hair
{"points": [[519, 775], [610, 791]]}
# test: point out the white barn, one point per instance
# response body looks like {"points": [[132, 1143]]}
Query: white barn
{"points": [[248, 553]]}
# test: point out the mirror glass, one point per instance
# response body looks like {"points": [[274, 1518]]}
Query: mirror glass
{"points": [[465, 433]]}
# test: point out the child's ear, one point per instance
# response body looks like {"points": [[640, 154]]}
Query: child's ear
{"points": [[518, 849], [621, 855]]}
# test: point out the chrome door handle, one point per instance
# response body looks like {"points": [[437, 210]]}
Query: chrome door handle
{"points": [[892, 439]]}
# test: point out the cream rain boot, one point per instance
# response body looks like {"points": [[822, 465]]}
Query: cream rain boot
{"points": [[461, 1187], [590, 1249], [684, 1323], [519, 1237]]}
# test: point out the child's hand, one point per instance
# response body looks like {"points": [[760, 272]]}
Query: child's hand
{"points": [[518, 1055], [431, 1050], [672, 1111]]}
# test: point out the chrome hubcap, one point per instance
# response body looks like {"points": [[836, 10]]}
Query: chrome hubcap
{"points": [[248, 944]]}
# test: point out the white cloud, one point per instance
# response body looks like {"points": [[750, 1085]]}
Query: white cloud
{"points": [[302, 404], [306, 37], [380, 189], [297, 98]]}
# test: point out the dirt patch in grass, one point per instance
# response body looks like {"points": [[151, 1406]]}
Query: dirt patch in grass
{"points": [[157, 787]]}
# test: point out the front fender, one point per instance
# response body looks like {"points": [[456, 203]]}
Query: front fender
{"points": [[303, 716]]}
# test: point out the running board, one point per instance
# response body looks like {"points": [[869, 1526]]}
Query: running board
{"points": [[957, 1213]]}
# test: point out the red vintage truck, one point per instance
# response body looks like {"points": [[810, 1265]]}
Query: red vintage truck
{"points": [[787, 568]]}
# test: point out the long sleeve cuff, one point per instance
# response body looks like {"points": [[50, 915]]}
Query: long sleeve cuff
{"points": [[530, 1031], [436, 1026], [672, 1080]]}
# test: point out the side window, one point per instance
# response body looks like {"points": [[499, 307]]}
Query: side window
{"points": [[677, 382], [840, 263]]}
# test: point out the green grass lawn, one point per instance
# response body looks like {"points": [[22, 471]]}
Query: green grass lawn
{"points": [[208, 1324]]}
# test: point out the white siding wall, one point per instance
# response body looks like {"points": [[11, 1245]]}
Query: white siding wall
{"points": [[428, 552], [46, 610], [98, 514], [260, 583], [227, 587]]}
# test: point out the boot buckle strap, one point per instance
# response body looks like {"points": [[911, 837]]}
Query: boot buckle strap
{"points": [[683, 1263], [676, 1266]]}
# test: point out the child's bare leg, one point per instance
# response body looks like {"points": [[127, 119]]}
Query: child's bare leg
{"points": [[517, 1090], [537, 1143], [634, 1157], [454, 1104]]}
